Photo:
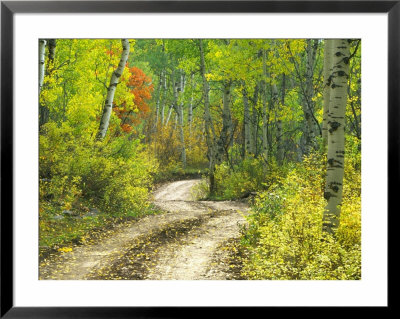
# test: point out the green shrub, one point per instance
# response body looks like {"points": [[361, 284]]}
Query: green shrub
{"points": [[239, 181], [249, 176], [114, 176], [284, 238]]}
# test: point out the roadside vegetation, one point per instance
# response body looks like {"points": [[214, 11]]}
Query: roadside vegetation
{"points": [[272, 122]]}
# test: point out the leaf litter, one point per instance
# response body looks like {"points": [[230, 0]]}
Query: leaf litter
{"points": [[192, 240]]}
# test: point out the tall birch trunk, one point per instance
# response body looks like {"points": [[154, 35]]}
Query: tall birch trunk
{"points": [[279, 134], [169, 114], [175, 121], [209, 129], [278, 122], [178, 88], [264, 108], [182, 137], [246, 120], [327, 88], [181, 120], [226, 131], [162, 109], [105, 118], [43, 110], [308, 105], [190, 111], [42, 52], [158, 100], [254, 122], [337, 110]]}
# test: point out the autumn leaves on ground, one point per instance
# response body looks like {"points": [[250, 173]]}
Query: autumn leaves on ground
{"points": [[199, 159], [184, 243]]}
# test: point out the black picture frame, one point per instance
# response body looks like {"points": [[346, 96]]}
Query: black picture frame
{"points": [[9, 8]]}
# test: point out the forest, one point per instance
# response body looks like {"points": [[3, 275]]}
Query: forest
{"points": [[152, 150]]}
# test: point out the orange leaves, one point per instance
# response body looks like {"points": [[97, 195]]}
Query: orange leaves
{"points": [[114, 51], [126, 128], [140, 86]]}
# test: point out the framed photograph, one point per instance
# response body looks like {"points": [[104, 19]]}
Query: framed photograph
{"points": [[160, 158]]}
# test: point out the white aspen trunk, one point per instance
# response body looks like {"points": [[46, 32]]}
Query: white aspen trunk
{"points": [[43, 109], [276, 108], [163, 98], [246, 120], [327, 84], [226, 124], [308, 105], [264, 109], [177, 89], [209, 128], [265, 133], [42, 51], [159, 92], [182, 136], [175, 121], [279, 149], [253, 130], [182, 86], [190, 111], [180, 122], [335, 158], [169, 114], [105, 118], [279, 134]]}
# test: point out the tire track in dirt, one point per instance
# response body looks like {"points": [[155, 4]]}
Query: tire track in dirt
{"points": [[179, 244], [191, 258]]}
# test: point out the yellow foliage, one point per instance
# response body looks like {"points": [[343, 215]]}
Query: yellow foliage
{"points": [[284, 238], [112, 175]]}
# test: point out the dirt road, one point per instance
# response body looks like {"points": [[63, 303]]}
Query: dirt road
{"points": [[191, 241]]}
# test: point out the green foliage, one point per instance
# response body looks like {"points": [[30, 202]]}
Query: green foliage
{"points": [[284, 237], [114, 176], [166, 148], [78, 174], [248, 176]]}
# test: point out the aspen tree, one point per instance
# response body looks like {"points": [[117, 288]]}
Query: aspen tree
{"points": [[105, 118], [43, 110], [42, 51], [278, 111], [158, 100], [264, 107], [327, 88], [178, 88], [171, 107], [335, 159], [246, 120], [308, 104], [162, 108], [209, 128], [278, 122], [190, 112], [254, 121], [226, 123]]}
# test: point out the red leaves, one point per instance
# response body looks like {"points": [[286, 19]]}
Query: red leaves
{"points": [[140, 86]]}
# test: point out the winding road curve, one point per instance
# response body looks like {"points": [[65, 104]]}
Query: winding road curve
{"points": [[181, 244]]}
